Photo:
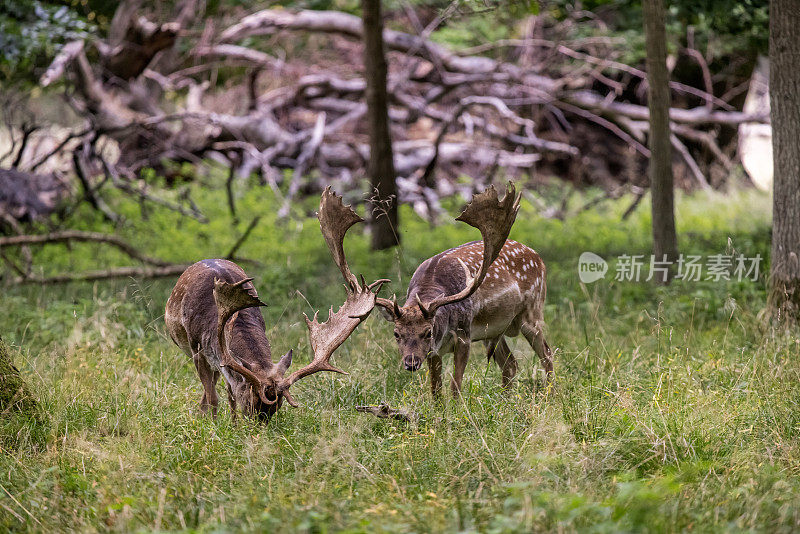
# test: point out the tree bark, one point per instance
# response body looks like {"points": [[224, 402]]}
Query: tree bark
{"points": [[383, 197], [784, 88], [665, 241]]}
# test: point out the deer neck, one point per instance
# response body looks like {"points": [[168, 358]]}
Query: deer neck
{"points": [[247, 341]]}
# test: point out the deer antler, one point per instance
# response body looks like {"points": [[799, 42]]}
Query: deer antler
{"points": [[390, 305], [328, 336], [335, 219], [494, 218], [231, 298]]}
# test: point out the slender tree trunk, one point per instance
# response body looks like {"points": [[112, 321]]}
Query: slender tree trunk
{"points": [[665, 241], [383, 203], [784, 90]]}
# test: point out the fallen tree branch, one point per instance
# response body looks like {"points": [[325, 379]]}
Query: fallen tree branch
{"points": [[707, 140], [690, 162], [527, 109], [66, 236], [104, 274], [701, 115], [154, 268], [58, 148], [238, 52], [639, 196]]}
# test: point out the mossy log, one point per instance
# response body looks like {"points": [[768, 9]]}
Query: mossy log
{"points": [[14, 393]]}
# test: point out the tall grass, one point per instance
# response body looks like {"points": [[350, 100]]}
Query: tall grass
{"points": [[674, 408]]}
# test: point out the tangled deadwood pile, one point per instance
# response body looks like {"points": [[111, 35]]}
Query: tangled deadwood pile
{"points": [[151, 88], [29, 196]]}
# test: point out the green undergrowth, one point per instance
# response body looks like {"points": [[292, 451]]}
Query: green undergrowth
{"points": [[673, 409]]}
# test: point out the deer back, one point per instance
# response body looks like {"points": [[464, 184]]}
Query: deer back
{"points": [[192, 316], [441, 274], [516, 277]]}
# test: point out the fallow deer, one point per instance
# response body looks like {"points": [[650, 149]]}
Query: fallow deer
{"points": [[447, 306], [212, 315]]}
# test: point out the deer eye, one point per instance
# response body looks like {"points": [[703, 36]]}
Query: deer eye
{"points": [[396, 335], [428, 334]]}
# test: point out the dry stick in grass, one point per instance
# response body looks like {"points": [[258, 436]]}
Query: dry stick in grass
{"points": [[27, 256], [229, 188], [12, 264], [20, 505], [384, 411]]}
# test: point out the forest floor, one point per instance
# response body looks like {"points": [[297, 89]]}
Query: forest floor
{"points": [[673, 408]]}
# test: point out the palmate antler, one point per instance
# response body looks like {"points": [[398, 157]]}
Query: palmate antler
{"points": [[494, 218], [231, 298], [328, 336], [335, 219]]}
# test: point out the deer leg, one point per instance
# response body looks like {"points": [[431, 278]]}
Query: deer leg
{"points": [[460, 357], [231, 401], [435, 368], [505, 360], [209, 380], [535, 336]]}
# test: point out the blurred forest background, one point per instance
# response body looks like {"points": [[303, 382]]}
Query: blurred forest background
{"points": [[143, 97]]}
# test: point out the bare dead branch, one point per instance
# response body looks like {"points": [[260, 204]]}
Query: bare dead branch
{"points": [[104, 274], [239, 242], [593, 101], [66, 236], [90, 191], [690, 162], [309, 151]]}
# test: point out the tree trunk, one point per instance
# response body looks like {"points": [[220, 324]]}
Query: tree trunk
{"points": [[784, 89], [383, 197], [665, 241]]}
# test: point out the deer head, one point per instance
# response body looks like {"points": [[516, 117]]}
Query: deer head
{"points": [[269, 386], [416, 328]]}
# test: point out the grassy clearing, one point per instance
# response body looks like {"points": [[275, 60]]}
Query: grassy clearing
{"points": [[673, 409]]}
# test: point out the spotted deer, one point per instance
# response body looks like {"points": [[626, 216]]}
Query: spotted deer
{"points": [[213, 316], [447, 306]]}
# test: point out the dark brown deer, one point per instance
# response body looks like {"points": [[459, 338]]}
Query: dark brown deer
{"points": [[213, 316], [447, 306]]}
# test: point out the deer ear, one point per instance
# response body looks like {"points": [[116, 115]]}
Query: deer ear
{"points": [[284, 363], [386, 314]]}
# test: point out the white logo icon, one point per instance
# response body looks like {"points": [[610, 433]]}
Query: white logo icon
{"points": [[591, 267]]}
